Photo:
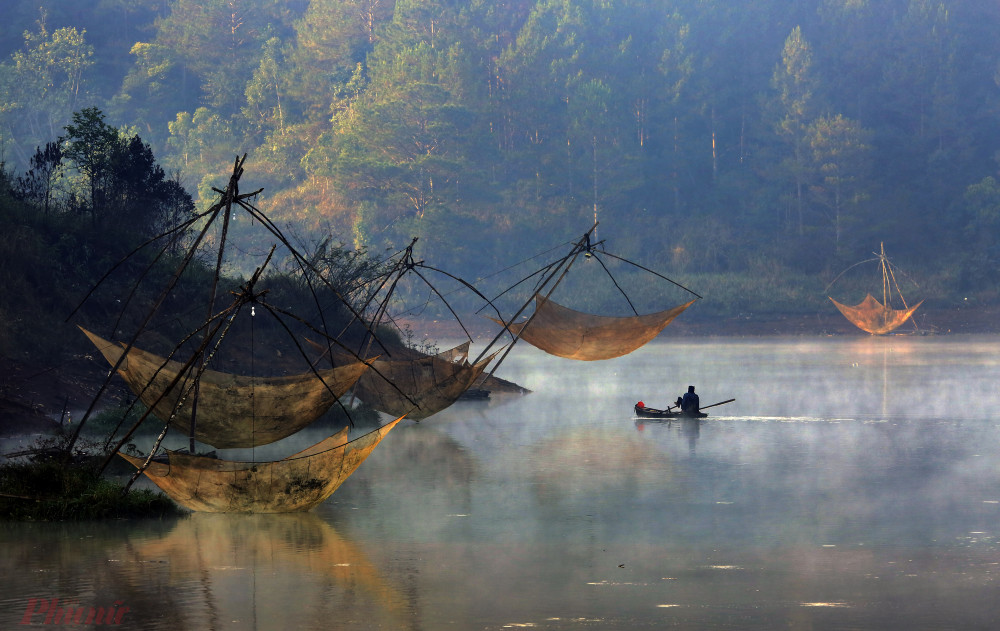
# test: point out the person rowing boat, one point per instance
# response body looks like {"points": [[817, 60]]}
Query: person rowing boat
{"points": [[690, 404], [673, 412]]}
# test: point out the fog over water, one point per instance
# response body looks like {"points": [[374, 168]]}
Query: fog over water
{"points": [[854, 483]]}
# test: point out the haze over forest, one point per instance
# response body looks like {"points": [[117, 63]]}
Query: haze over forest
{"points": [[752, 150]]}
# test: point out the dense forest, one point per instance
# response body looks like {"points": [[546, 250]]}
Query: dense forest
{"points": [[753, 151]]}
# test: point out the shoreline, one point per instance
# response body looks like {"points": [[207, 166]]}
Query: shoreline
{"points": [[980, 321], [34, 397]]}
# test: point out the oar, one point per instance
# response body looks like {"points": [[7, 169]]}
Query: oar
{"points": [[715, 404]]}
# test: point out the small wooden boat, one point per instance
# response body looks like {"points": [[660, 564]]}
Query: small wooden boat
{"points": [[648, 412]]}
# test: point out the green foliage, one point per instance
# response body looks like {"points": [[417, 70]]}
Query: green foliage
{"points": [[977, 215], [801, 132], [38, 184], [840, 158], [53, 252], [214, 40], [197, 142], [41, 84], [43, 484], [49, 490], [126, 185]]}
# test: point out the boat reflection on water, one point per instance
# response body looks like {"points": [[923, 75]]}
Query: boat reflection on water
{"points": [[688, 427], [805, 507], [284, 570]]}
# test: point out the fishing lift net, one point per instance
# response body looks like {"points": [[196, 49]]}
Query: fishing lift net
{"points": [[561, 331], [878, 318], [872, 316], [296, 483], [233, 410], [419, 387], [571, 334]]}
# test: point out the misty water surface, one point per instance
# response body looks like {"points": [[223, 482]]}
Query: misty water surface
{"points": [[854, 483]]}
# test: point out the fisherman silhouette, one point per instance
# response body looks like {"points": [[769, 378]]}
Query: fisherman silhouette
{"points": [[690, 402]]}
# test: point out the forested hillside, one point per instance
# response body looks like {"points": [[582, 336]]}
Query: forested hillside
{"points": [[751, 150]]}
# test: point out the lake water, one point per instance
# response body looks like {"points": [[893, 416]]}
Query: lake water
{"points": [[853, 484]]}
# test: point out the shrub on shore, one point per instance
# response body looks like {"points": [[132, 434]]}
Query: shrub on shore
{"points": [[44, 487]]}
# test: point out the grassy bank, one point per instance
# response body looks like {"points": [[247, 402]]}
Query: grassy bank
{"points": [[40, 485], [52, 491]]}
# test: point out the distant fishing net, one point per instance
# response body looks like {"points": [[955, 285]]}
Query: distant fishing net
{"points": [[872, 316]]}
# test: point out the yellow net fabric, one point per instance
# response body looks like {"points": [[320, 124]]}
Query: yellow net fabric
{"points": [[561, 331], [872, 316], [233, 410], [432, 383], [296, 483]]}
